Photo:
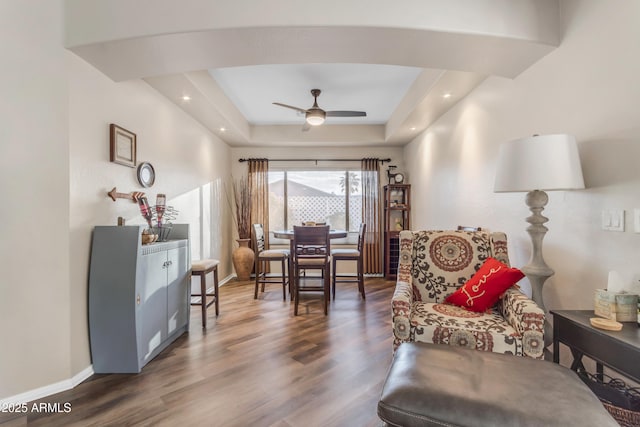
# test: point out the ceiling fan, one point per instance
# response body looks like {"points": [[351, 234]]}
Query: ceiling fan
{"points": [[315, 115]]}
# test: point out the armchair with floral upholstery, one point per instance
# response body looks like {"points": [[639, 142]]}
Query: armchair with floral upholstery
{"points": [[434, 264]]}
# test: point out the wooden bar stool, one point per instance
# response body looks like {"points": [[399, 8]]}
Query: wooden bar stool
{"points": [[263, 259], [350, 255], [202, 268]]}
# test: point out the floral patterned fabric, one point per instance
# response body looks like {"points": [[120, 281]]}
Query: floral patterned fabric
{"points": [[433, 264]]}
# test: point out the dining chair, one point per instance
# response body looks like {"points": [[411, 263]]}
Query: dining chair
{"points": [[264, 257], [311, 251], [350, 255]]}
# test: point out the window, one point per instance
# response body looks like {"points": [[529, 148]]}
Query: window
{"points": [[333, 197]]}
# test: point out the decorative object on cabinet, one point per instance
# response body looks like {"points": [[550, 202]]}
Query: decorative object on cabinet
{"points": [[163, 215], [394, 177], [138, 296], [158, 217], [618, 306], [534, 165], [606, 324], [162, 232], [145, 211], [134, 196], [148, 237], [146, 174], [122, 146], [397, 207], [160, 207]]}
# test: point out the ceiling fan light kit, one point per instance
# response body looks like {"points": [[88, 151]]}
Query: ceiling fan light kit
{"points": [[315, 115]]}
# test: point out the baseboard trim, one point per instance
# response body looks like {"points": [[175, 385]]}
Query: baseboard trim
{"points": [[48, 390], [227, 279]]}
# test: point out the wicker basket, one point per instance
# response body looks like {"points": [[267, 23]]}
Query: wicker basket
{"points": [[624, 417], [622, 401]]}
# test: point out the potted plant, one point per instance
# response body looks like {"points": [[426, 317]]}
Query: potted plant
{"points": [[242, 256]]}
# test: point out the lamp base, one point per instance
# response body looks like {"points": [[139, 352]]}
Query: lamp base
{"points": [[537, 270]]}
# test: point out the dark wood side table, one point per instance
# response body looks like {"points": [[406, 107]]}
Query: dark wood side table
{"points": [[619, 351]]}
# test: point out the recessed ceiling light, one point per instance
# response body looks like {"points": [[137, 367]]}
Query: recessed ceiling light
{"points": [[446, 95], [186, 98], [412, 128], [223, 129]]}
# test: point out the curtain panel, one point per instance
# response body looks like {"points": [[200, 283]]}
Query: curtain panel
{"points": [[258, 177], [371, 216]]}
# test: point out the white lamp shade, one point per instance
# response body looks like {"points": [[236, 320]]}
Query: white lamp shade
{"points": [[540, 162]]}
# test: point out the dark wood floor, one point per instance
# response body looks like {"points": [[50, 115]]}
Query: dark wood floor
{"points": [[255, 365]]}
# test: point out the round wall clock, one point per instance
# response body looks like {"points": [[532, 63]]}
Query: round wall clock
{"points": [[146, 174]]}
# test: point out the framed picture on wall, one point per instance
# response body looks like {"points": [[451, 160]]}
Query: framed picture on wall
{"points": [[123, 146]]}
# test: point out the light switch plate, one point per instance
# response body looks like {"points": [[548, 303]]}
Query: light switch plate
{"points": [[606, 219], [613, 219]]}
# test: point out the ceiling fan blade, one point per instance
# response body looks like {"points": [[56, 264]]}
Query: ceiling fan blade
{"points": [[305, 127], [346, 114], [302, 110]]}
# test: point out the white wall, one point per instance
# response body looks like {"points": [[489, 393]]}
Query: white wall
{"points": [[54, 175], [34, 191], [587, 87], [190, 165]]}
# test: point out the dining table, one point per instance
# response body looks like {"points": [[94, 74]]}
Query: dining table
{"points": [[288, 235]]}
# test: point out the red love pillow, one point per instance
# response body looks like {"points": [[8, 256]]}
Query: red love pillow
{"points": [[483, 290]]}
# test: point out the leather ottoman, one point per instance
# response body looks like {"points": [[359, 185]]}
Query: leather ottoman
{"points": [[438, 385]]}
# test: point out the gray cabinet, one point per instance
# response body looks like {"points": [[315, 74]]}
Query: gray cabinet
{"points": [[138, 296]]}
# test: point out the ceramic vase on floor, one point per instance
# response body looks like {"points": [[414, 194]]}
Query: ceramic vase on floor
{"points": [[243, 257]]}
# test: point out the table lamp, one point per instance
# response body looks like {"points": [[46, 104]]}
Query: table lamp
{"points": [[534, 165]]}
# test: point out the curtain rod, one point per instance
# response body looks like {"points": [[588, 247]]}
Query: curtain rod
{"points": [[313, 160]]}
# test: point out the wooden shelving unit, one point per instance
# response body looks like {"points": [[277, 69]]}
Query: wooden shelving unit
{"points": [[397, 209]]}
